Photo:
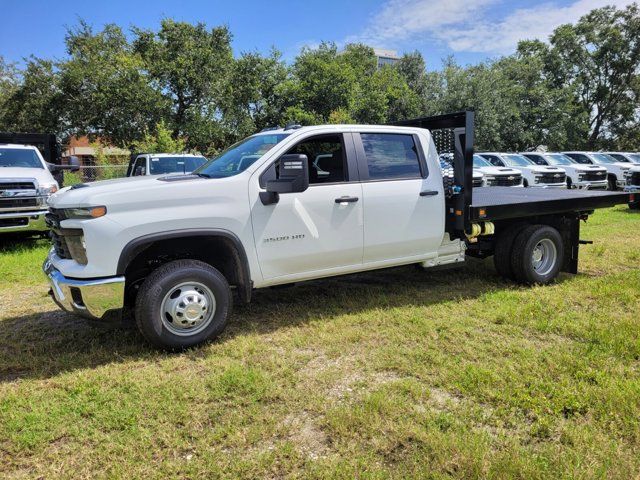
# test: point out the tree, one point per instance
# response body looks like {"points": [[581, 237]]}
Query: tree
{"points": [[160, 141], [8, 85], [106, 91], [255, 93], [190, 65], [36, 103], [599, 58]]}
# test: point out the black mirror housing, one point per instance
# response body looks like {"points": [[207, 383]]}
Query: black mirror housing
{"points": [[293, 175], [74, 163]]}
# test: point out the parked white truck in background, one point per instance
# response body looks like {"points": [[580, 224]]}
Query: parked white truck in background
{"points": [[615, 170], [533, 175], [496, 176], [591, 177], [25, 185], [264, 212], [163, 163]]}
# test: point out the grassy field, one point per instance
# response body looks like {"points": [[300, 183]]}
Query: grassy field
{"points": [[389, 374]]}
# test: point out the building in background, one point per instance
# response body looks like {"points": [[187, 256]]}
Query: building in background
{"points": [[386, 57], [86, 152]]}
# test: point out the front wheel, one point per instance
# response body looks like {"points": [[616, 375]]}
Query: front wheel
{"points": [[612, 183], [182, 304], [537, 255]]}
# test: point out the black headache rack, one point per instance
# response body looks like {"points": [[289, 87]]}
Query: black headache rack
{"points": [[47, 143], [453, 136]]}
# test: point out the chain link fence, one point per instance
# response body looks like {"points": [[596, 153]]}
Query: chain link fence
{"points": [[92, 173]]}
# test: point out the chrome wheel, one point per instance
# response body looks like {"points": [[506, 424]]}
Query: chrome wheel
{"points": [[188, 308], [544, 256]]}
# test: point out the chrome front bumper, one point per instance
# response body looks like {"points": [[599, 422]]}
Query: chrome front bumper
{"points": [[23, 221], [88, 298], [586, 185]]}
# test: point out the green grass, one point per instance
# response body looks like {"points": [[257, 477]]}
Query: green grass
{"points": [[388, 374]]}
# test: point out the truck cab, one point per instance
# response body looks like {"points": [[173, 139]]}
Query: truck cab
{"points": [[590, 177], [163, 163], [615, 169], [534, 176], [290, 205], [25, 185]]}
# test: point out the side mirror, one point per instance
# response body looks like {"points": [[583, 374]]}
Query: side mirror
{"points": [[74, 164], [293, 176], [52, 167]]}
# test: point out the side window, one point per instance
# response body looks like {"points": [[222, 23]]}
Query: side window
{"points": [[619, 157], [391, 155], [140, 167], [327, 160], [493, 160]]}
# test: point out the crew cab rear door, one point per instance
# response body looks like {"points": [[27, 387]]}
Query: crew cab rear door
{"points": [[403, 199], [315, 232]]}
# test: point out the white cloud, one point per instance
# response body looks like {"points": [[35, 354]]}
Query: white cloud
{"points": [[464, 26]]}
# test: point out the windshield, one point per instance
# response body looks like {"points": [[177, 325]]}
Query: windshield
{"points": [[19, 157], [635, 157], [558, 159], [478, 161], [237, 158], [160, 165], [514, 160], [601, 158]]}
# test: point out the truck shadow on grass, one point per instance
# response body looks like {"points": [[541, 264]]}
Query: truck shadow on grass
{"points": [[46, 344]]}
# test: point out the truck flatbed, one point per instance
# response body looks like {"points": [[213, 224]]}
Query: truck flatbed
{"points": [[503, 203]]}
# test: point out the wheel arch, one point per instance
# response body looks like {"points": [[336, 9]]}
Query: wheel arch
{"points": [[217, 247]]}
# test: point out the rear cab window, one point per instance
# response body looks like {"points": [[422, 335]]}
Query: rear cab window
{"points": [[392, 156]]}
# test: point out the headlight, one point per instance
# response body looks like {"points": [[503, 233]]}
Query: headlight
{"points": [[47, 189], [85, 212]]}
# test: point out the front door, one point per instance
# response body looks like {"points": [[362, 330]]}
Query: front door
{"points": [[316, 230]]}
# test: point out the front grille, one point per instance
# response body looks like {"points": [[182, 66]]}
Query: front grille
{"points": [[17, 186], [593, 176], [633, 178], [506, 181], [551, 178], [58, 234], [14, 222], [18, 202], [477, 182]]}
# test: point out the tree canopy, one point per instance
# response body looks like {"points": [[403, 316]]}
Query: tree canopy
{"points": [[183, 83]]}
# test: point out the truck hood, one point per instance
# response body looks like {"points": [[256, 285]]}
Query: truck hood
{"points": [[586, 168], [544, 169], [498, 170], [41, 175], [125, 191]]}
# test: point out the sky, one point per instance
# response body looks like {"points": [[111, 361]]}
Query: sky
{"points": [[470, 30]]}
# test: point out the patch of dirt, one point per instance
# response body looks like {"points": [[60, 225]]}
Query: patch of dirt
{"points": [[307, 436]]}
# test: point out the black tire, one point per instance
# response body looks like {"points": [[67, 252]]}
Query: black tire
{"points": [[522, 262], [160, 283], [612, 185], [525, 183], [502, 250], [569, 183]]}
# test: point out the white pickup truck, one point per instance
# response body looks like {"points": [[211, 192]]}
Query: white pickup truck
{"points": [[615, 169], [296, 204], [25, 185], [535, 176], [590, 177]]}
